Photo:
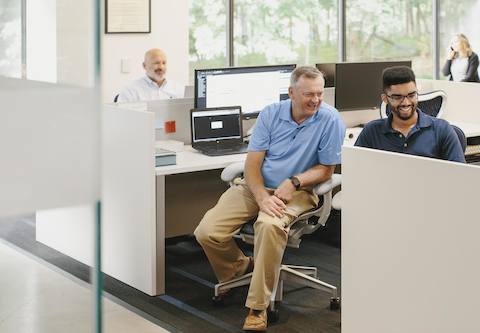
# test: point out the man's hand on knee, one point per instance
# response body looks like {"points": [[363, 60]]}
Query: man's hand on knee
{"points": [[272, 206]]}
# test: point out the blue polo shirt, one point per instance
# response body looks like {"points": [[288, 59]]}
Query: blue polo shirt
{"points": [[291, 148], [430, 137]]}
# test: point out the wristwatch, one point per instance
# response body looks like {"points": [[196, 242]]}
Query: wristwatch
{"points": [[296, 182]]}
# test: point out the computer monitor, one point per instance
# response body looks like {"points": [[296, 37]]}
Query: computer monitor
{"points": [[216, 124], [358, 85], [252, 88], [328, 71]]}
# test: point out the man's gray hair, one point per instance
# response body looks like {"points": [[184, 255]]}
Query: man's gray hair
{"points": [[306, 71]]}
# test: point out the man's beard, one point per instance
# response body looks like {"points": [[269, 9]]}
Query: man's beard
{"points": [[402, 115]]}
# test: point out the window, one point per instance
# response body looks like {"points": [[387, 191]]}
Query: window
{"points": [[391, 30], [280, 32], [458, 17], [208, 40], [11, 38]]}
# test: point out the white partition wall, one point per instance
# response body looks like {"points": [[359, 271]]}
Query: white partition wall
{"points": [[49, 141], [410, 244], [129, 230]]}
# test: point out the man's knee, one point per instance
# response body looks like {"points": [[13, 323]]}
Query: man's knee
{"points": [[202, 231], [271, 224]]}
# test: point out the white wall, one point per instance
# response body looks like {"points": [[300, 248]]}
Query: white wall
{"points": [[75, 42], [41, 40], [169, 32], [60, 41]]}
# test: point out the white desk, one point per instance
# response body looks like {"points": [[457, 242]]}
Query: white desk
{"points": [[470, 129], [193, 183], [190, 160], [184, 192]]}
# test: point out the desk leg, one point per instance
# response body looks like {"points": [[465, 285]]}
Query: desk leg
{"points": [[160, 235]]}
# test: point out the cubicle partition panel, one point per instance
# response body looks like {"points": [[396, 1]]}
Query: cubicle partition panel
{"points": [[129, 231], [172, 110], [409, 244], [462, 106], [49, 146], [130, 252]]}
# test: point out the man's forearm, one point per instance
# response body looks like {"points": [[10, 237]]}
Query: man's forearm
{"points": [[254, 179], [315, 175]]}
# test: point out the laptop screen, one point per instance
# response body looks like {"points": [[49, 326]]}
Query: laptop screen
{"points": [[215, 124]]}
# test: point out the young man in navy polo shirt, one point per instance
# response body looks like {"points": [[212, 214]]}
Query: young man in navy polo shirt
{"points": [[407, 129], [295, 145]]}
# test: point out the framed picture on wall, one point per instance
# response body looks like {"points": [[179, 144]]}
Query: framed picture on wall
{"points": [[127, 16]]}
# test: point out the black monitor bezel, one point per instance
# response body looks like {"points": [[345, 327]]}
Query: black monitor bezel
{"points": [[247, 115], [233, 107], [364, 107]]}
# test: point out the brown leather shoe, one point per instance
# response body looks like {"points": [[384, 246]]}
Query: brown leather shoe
{"points": [[256, 321]]}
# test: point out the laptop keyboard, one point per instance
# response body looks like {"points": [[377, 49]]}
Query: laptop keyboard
{"points": [[219, 151]]}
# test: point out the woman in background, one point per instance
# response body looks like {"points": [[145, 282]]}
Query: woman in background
{"points": [[462, 62]]}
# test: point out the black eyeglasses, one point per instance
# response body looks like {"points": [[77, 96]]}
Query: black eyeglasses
{"points": [[399, 98]]}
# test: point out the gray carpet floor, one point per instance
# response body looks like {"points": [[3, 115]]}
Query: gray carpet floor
{"points": [[187, 306]]}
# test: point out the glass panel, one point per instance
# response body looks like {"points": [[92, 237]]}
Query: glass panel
{"points": [[50, 144], [11, 38], [208, 40], [458, 17], [393, 30], [279, 32]]}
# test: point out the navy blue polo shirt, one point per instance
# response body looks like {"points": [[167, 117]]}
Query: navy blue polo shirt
{"points": [[430, 137]]}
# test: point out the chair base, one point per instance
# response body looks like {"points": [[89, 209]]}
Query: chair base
{"points": [[303, 275]]}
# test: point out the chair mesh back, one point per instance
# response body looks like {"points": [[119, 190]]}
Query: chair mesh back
{"points": [[388, 109], [461, 137], [431, 106]]}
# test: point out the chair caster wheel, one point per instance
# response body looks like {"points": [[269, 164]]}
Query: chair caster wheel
{"points": [[218, 300], [334, 303], [273, 316]]}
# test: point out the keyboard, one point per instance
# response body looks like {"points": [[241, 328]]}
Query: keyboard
{"points": [[472, 150], [219, 151]]}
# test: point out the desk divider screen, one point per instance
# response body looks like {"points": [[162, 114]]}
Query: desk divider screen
{"points": [[409, 244]]}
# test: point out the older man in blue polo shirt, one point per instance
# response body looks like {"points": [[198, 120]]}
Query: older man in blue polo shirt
{"points": [[296, 144], [407, 129]]}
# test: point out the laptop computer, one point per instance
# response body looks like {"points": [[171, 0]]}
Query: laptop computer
{"points": [[218, 131]]}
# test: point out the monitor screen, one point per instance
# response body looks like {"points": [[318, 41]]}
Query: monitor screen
{"points": [[358, 86], [328, 71], [252, 88], [216, 124]]}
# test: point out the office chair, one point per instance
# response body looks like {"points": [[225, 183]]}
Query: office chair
{"points": [[461, 137], [432, 103], [306, 223]]}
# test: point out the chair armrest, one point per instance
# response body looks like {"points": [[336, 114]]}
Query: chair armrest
{"points": [[328, 185], [232, 171]]}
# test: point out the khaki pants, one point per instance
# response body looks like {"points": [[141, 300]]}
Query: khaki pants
{"points": [[216, 230]]}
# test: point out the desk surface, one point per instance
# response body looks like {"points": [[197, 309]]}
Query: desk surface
{"points": [[190, 160], [470, 129]]}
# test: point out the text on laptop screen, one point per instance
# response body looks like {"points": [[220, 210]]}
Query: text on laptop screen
{"points": [[252, 88], [214, 125]]}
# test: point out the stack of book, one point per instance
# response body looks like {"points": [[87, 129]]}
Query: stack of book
{"points": [[165, 157]]}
